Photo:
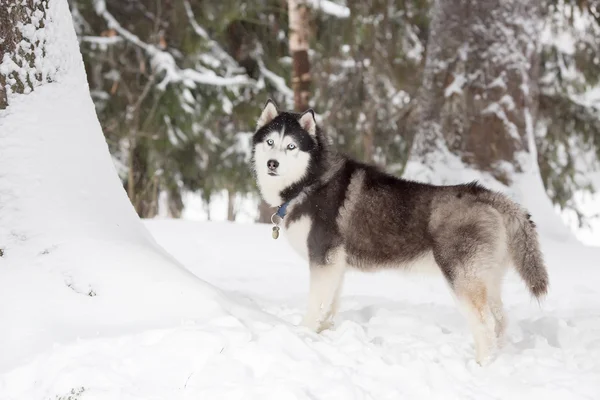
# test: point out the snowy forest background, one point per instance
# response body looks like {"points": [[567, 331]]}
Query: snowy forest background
{"points": [[178, 86]]}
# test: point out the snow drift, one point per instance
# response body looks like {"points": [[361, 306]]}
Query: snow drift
{"points": [[77, 262]]}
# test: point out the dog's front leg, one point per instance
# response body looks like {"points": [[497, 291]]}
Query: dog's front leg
{"points": [[325, 280]]}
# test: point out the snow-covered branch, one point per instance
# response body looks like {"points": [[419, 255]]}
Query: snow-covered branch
{"points": [[215, 48], [579, 116], [330, 8], [101, 40], [276, 80], [224, 57], [163, 62]]}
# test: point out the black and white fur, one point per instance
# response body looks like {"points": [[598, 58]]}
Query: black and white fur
{"points": [[345, 214]]}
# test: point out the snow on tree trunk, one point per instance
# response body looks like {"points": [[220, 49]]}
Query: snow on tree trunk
{"points": [[19, 22], [68, 233], [298, 41], [475, 111], [479, 83]]}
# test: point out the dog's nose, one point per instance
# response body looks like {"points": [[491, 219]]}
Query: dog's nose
{"points": [[272, 164]]}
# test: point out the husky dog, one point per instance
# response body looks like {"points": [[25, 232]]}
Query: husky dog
{"points": [[339, 213]]}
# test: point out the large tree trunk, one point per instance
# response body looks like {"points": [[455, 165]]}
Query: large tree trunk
{"points": [[15, 17], [477, 106], [479, 94], [299, 34]]}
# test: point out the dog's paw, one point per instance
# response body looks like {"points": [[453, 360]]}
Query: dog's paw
{"points": [[501, 341], [311, 323], [485, 358], [329, 324], [484, 361]]}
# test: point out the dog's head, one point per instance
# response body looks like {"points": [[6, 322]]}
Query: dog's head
{"points": [[283, 149]]}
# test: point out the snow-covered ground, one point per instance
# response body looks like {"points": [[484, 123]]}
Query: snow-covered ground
{"points": [[397, 336]]}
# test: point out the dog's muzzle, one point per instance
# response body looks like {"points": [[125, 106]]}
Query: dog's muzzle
{"points": [[272, 166]]}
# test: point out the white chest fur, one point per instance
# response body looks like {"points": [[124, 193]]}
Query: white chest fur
{"points": [[297, 235]]}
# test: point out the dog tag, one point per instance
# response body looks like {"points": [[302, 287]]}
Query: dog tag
{"points": [[275, 233]]}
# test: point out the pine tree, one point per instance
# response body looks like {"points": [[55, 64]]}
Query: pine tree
{"points": [[366, 69], [568, 129], [198, 65]]}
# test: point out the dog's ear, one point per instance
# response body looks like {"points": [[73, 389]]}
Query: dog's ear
{"points": [[268, 114], [308, 123]]}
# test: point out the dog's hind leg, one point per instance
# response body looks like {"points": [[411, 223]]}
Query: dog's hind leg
{"points": [[473, 297], [469, 245], [325, 286], [495, 302]]}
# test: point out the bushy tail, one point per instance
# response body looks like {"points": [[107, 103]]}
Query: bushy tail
{"points": [[527, 257], [523, 244]]}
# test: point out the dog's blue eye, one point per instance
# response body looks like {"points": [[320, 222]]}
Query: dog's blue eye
{"points": [[291, 146], [270, 142]]}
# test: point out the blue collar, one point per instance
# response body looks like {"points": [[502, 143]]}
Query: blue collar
{"points": [[282, 209]]}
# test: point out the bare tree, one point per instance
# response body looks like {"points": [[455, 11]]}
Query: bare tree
{"points": [[299, 14], [231, 211]]}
